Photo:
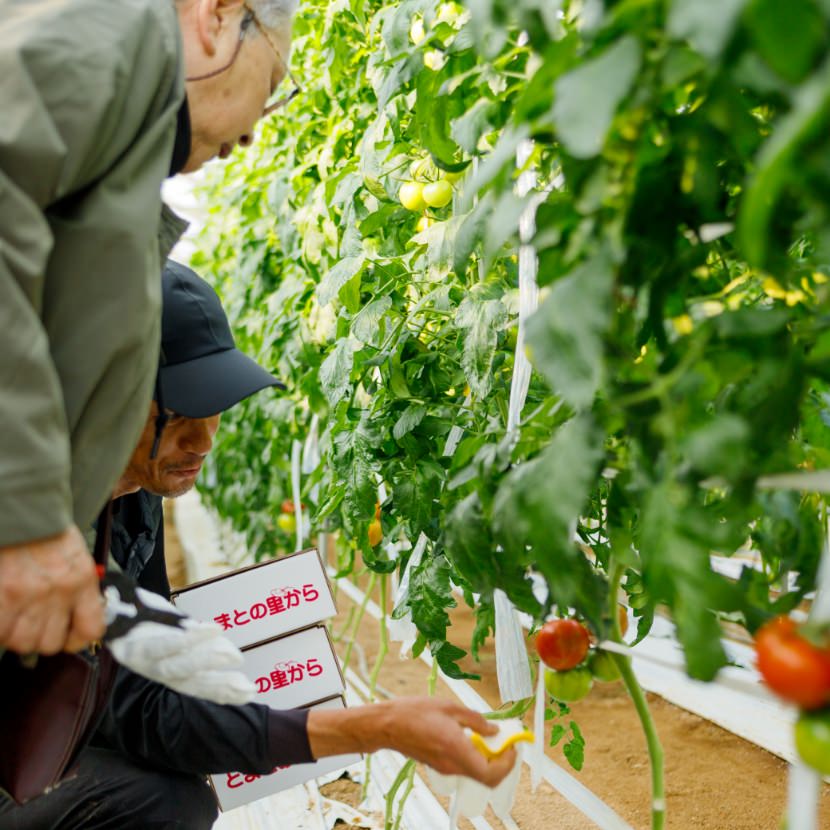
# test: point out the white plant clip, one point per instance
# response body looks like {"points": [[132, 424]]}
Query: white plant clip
{"points": [[403, 630]]}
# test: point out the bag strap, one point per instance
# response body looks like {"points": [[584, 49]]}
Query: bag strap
{"points": [[102, 535]]}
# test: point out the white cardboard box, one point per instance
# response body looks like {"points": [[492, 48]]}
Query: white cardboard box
{"points": [[235, 788], [263, 601], [295, 670]]}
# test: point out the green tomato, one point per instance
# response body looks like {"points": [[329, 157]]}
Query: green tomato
{"points": [[286, 522], [568, 686], [812, 739], [603, 667], [411, 195], [438, 194], [449, 13]]}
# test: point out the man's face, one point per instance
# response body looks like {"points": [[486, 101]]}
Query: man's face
{"points": [[184, 444], [225, 108]]}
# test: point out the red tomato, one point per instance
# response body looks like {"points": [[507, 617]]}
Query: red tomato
{"points": [[287, 506], [562, 644], [791, 666]]}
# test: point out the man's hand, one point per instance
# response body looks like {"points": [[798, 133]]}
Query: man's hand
{"points": [[49, 595], [430, 731]]}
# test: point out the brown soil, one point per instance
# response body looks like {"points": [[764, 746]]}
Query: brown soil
{"points": [[714, 780], [344, 790]]}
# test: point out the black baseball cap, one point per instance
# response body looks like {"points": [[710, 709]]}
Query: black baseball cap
{"points": [[201, 372]]}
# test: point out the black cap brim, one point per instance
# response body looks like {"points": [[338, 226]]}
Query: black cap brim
{"points": [[212, 383]]}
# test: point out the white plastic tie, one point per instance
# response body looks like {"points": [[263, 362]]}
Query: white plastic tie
{"points": [[536, 751], [511, 663], [512, 666]]}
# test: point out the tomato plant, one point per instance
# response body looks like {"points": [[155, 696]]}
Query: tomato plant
{"points": [[562, 644], [679, 347], [568, 686], [791, 665]]}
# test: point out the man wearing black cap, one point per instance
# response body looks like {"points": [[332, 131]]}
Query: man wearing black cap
{"points": [[147, 764]]}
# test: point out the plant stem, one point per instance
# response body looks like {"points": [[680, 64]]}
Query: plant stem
{"points": [[515, 711], [433, 678], [635, 691], [361, 611], [383, 648], [410, 783], [405, 774]]}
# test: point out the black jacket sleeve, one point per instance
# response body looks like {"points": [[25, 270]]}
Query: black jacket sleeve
{"points": [[151, 723]]}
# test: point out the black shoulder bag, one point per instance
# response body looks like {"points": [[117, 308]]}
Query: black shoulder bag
{"points": [[50, 707]]}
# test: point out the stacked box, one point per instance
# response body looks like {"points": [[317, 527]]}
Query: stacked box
{"points": [[235, 788], [272, 611], [263, 601]]}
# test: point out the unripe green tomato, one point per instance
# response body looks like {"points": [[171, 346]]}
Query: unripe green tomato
{"points": [[287, 522], [438, 194], [568, 686], [416, 30], [449, 13], [812, 739], [452, 177], [603, 667], [411, 195]]}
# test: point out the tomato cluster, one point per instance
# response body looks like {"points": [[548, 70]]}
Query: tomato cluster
{"points": [[564, 646], [798, 670]]}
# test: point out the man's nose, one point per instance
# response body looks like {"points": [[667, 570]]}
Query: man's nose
{"points": [[199, 437]]}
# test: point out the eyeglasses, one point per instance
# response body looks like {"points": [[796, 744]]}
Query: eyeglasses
{"points": [[276, 101]]}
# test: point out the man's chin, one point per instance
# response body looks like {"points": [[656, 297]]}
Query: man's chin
{"points": [[172, 490]]}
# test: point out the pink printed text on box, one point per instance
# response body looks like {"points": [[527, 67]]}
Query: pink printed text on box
{"points": [[295, 670], [263, 601], [235, 788]]}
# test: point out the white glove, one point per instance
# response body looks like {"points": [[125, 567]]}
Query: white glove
{"points": [[468, 797], [150, 637]]}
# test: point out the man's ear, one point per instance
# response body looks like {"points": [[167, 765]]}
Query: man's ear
{"points": [[213, 19]]}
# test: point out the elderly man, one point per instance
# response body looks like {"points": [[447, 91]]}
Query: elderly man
{"points": [[100, 101], [146, 767]]}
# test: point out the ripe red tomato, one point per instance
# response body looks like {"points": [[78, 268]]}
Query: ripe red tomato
{"points": [[562, 644], [792, 666], [287, 506]]}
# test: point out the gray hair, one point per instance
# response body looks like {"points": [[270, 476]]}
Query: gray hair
{"points": [[275, 15]]}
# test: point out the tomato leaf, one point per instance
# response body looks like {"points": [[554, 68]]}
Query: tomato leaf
{"points": [[606, 80]]}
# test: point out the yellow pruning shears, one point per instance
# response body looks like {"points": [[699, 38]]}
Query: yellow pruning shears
{"points": [[481, 745]]}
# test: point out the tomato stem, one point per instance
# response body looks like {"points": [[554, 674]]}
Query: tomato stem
{"points": [[358, 618], [635, 691], [433, 679], [515, 711], [383, 649]]}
